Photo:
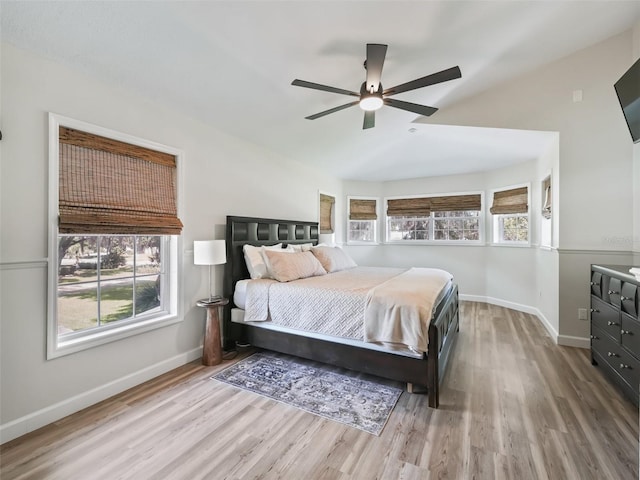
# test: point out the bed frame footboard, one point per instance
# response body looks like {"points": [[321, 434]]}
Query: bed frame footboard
{"points": [[443, 331]]}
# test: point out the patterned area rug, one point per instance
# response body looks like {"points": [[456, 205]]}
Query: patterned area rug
{"points": [[315, 388]]}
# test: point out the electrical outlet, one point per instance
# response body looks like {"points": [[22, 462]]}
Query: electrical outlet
{"points": [[582, 314]]}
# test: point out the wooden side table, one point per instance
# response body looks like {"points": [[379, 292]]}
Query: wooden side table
{"points": [[212, 345]]}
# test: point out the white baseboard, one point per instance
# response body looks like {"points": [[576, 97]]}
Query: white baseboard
{"points": [[569, 341], [52, 413], [564, 340]]}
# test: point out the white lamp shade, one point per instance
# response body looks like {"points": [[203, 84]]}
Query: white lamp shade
{"points": [[209, 252]]}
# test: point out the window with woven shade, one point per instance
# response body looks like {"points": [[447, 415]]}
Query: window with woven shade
{"points": [[114, 210], [510, 211], [363, 216], [547, 197], [327, 206], [546, 236], [439, 218]]}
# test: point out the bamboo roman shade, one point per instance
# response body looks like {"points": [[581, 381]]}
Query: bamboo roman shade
{"points": [[514, 200], [362, 209], [326, 207], [456, 203], [423, 206], [112, 187], [546, 207], [410, 207]]}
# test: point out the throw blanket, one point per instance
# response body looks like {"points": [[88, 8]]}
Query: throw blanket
{"points": [[400, 309]]}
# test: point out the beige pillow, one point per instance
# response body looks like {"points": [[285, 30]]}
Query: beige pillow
{"points": [[333, 259], [286, 267]]}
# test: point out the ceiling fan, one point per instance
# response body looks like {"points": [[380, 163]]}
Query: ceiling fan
{"points": [[372, 96]]}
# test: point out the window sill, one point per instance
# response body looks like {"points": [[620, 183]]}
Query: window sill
{"points": [[361, 244], [101, 337], [514, 245]]}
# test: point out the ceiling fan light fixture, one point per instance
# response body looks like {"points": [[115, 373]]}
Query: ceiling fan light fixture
{"points": [[371, 102]]}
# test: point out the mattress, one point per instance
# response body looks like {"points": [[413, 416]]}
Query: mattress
{"points": [[240, 293]]}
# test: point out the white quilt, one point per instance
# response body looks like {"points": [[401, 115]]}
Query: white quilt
{"points": [[338, 304]]}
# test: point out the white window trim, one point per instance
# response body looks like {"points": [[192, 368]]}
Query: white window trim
{"points": [[494, 218], [56, 348], [376, 223], [481, 222]]}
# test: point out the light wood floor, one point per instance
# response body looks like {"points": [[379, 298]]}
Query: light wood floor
{"points": [[513, 406]]}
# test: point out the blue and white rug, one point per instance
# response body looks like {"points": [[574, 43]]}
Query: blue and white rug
{"points": [[315, 388]]}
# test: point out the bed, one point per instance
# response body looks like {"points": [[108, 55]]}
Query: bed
{"points": [[415, 368]]}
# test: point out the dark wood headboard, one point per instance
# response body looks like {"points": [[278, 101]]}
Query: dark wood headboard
{"points": [[256, 231]]}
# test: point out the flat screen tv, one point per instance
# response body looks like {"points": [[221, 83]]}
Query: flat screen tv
{"points": [[628, 90]]}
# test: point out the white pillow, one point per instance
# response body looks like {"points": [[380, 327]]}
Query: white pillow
{"points": [[286, 267], [333, 259], [255, 261], [300, 247]]}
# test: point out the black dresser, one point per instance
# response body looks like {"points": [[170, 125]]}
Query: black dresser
{"points": [[615, 326]]}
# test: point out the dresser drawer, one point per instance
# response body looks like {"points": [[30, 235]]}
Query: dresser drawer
{"points": [[613, 291], [606, 318], [629, 299], [596, 284], [603, 345], [630, 334], [628, 368]]}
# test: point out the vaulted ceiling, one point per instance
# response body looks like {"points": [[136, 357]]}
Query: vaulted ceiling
{"points": [[231, 63]]}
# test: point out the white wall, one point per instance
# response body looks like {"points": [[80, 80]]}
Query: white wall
{"points": [[222, 175]]}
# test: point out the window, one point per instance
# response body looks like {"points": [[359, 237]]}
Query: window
{"points": [[106, 280], [546, 213], [114, 226], [449, 219], [327, 206], [362, 224], [510, 210]]}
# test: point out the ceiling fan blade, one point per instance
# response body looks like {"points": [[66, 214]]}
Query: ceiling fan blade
{"points": [[375, 60], [439, 77], [411, 107], [326, 88], [332, 110], [369, 119]]}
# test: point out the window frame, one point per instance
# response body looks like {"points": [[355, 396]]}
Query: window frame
{"points": [[173, 264], [496, 230], [374, 223], [432, 219]]}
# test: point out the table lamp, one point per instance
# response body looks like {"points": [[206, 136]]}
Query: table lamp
{"points": [[209, 252]]}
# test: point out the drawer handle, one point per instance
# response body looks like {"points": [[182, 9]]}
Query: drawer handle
{"points": [[611, 354], [595, 310], [611, 323], [626, 332], [612, 292], [623, 366], [593, 337], [594, 284], [623, 298]]}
